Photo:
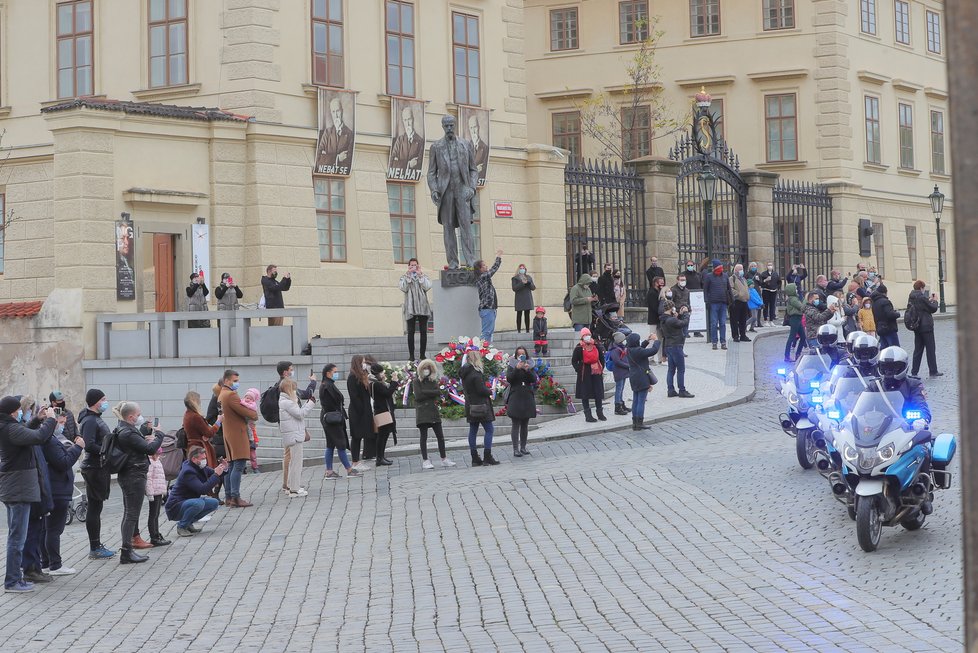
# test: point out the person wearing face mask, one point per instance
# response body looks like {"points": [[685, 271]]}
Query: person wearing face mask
{"points": [[292, 428], [427, 416], [886, 318], [816, 314], [197, 293], [654, 270], [588, 362], [521, 405], [740, 295], [57, 401], [716, 294], [382, 392], [137, 438], [188, 501], [19, 482], [93, 431], [35, 527], [680, 297], [333, 418], [865, 319], [770, 285], [60, 453], [606, 285], [797, 276], [523, 288], [581, 297], [620, 292], [593, 287], [674, 324], [361, 410], [272, 290], [416, 310], [925, 304], [654, 300], [236, 442], [227, 294]]}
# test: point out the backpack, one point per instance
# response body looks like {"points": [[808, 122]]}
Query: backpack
{"points": [[181, 437], [112, 457], [911, 319], [268, 405], [567, 303], [609, 362]]}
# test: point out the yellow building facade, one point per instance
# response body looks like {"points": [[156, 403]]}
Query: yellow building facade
{"points": [[851, 94], [96, 104]]}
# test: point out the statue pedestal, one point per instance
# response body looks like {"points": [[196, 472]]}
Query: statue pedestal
{"points": [[456, 306]]}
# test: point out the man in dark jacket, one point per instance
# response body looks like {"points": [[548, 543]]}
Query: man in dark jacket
{"points": [[273, 289], [60, 454], [187, 501], [675, 322], [19, 484], [606, 286], [925, 304], [583, 261], [640, 377], [770, 285], [693, 282], [886, 318], [716, 296], [93, 431], [654, 270], [836, 283]]}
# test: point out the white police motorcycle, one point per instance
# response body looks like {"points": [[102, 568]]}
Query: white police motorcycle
{"points": [[801, 388], [891, 462]]}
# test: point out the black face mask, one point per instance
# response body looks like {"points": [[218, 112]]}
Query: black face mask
{"points": [[274, 275]]}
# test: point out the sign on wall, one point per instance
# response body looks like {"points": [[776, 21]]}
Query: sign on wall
{"points": [[201, 251], [473, 126], [337, 133], [502, 208], [407, 139], [125, 246]]}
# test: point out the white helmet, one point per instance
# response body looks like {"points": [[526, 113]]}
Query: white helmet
{"points": [[851, 339], [894, 363], [866, 349], [827, 334]]}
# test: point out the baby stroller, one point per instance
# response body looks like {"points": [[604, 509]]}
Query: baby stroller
{"points": [[605, 322], [172, 456]]}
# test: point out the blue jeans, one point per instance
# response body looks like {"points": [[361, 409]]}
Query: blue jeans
{"points": [[192, 510], [343, 459], [638, 404], [677, 367], [797, 331], [488, 317], [18, 515], [619, 391], [232, 480], [578, 327], [889, 340], [474, 431], [718, 323]]}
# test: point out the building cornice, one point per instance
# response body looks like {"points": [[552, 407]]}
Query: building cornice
{"points": [[565, 94], [872, 78], [709, 82], [904, 85], [935, 93], [773, 75]]}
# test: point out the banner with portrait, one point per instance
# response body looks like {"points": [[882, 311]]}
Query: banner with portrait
{"points": [[125, 252], [407, 139], [473, 126], [337, 132]]}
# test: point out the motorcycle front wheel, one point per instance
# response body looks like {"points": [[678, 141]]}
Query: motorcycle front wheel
{"points": [[805, 449], [869, 523]]}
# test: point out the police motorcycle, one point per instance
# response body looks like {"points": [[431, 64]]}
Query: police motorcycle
{"points": [[891, 462], [848, 381], [801, 388]]}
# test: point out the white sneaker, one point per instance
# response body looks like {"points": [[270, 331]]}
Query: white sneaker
{"points": [[63, 571], [301, 492], [427, 465], [445, 462], [362, 467], [204, 518], [295, 495]]}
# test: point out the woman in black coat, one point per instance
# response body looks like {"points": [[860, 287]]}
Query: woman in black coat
{"points": [[925, 304], [521, 405], [361, 410], [478, 394], [333, 418], [382, 394], [427, 391], [652, 299], [588, 362], [61, 457], [132, 437]]}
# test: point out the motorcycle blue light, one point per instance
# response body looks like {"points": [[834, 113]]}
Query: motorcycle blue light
{"points": [[782, 371], [914, 414], [834, 414], [815, 384], [816, 399]]}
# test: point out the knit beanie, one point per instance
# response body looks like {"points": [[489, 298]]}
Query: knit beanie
{"points": [[93, 396], [9, 405]]}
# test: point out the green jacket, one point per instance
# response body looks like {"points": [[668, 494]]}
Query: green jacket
{"points": [[794, 305], [580, 299]]}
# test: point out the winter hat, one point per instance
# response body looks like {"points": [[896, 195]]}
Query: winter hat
{"points": [[585, 332], [9, 405], [56, 396], [633, 340], [716, 262], [619, 337], [881, 289], [540, 309], [93, 396]]}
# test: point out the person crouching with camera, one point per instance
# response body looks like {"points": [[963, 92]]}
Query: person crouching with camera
{"points": [[188, 501]]}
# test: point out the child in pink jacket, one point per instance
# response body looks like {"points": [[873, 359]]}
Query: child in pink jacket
{"points": [[250, 400], [155, 489]]}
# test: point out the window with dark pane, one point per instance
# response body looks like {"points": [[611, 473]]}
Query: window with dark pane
{"points": [[327, 42], [780, 118], [874, 152], [168, 65], [465, 54], [563, 29], [636, 132], [933, 32], [937, 163], [704, 17], [901, 14], [75, 49], [330, 199], [633, 21], [400, 48], [906, 136], [567, 131], [404, 232], [779, 14]]}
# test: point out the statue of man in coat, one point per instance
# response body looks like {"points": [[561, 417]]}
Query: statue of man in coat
{"points": [[452, 179]]}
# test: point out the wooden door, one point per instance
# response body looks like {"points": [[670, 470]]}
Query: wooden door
{"points": [[163, 266]]}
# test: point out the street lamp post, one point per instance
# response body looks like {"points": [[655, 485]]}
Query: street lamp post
{"points": [[937, 206], [708, 192]]}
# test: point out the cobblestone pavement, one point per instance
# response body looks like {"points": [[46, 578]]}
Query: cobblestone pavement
{"points": [[701, 535]]}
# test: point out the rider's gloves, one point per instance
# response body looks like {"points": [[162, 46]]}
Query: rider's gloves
{"points": [[920, 425]]}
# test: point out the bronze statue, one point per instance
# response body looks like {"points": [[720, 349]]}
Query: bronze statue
{"points": [[452, 179]]}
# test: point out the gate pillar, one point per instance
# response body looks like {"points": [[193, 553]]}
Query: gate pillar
{"points": [[760, 214], [661, 230], [846, 201]]}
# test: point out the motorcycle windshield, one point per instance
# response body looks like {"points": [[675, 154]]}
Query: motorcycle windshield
{"points": [[808, 370], [846, 392], [874, 415]]}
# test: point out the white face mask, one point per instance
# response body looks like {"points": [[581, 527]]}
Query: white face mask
{"points": [[202, 463], [588, 339], [595, 279], [669, 295], [140, 421], [59, 429], [682, 284]]}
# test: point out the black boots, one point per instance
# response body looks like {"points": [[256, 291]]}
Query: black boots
{"points": [[638, 424], [600, 409], [620, 409], [476, 461], [588, 417], [516, 452], [130, 557], [487, 459]]}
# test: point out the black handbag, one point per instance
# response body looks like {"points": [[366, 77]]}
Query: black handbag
{"points": [[480, 412], [333, 417], [652, 379]]}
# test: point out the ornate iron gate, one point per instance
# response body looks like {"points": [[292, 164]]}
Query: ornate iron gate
{"points": [[803, 228], [726, 215], [605, 209]]}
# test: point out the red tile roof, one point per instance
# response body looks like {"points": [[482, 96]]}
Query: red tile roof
{"points": [[20, 309], [208, 114]]}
